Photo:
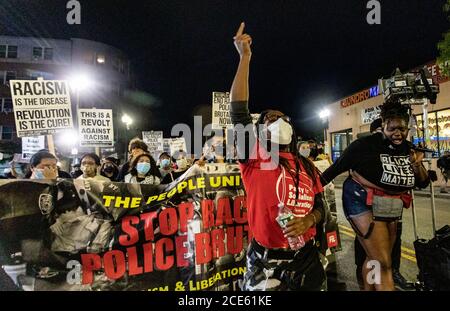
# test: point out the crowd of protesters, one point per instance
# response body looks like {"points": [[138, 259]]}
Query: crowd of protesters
{"points": [[272, 261]]}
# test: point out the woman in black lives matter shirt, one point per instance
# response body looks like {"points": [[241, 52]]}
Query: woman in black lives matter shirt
{"points": [[382, 166]]}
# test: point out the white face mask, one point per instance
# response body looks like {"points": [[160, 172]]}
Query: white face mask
{"points": [[305, 152], [182, 164], [280, 132]]}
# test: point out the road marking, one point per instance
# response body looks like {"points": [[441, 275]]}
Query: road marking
{"points": [[411, 256]]}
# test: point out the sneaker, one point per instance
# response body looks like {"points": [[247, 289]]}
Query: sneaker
{"points": [[401, 282]]}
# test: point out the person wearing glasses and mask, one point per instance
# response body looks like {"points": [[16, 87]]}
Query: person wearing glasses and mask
{"points": [[275, 176], [90, 163]]}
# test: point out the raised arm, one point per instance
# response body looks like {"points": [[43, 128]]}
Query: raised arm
{"points": [[239, 112], [239, 88]]}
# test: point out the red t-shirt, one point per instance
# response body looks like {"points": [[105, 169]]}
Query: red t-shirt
{"points": [[262, 199]]}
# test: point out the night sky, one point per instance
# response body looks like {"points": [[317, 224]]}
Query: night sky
{"points": [[305, 53]]}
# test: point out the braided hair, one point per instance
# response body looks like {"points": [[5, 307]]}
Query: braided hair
{"points": [[307, 164], [394, 111]]}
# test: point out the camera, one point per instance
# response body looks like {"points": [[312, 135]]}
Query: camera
{"points": [[412, 88]]}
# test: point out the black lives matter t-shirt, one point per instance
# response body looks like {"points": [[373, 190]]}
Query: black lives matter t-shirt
{"points": [[379, 161]]}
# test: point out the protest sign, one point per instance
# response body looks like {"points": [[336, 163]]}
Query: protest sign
{"points": [[31, 145], [370, 114], [221, 110], [190, 235], [177, 144], [154, 141], [95, 127], [41, 107]]}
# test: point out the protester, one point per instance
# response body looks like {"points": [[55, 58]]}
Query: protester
{"points": [[305, 150], [90, 164], [43, 165], [109, 168], [182, 167], [360, 254], [135, 148], [271, 263], [143, 170], [76, 171], [372, 186], [165, 164], [443, 164]]}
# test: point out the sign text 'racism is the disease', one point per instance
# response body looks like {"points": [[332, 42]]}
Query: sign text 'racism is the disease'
{"points": [[41, 107]]}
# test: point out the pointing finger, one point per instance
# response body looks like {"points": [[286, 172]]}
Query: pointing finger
{"points": [[241, 29]]}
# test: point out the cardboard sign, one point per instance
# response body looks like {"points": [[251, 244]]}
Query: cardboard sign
{"points": [[154, 141], [370, 114], [221, 110], [95, 127], [31, 145], [177, 144], [41, 107]]}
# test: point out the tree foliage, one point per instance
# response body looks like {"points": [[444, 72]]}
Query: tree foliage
{"points": [[444, 46]]}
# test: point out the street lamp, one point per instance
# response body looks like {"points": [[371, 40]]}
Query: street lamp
{"points": [[323, 115], [79, 82], [127, 120]]}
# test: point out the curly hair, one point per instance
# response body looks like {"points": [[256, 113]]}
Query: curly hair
{"points": [[394, 111]]}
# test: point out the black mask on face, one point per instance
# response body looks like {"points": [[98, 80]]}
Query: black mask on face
{"points": [[314, 153], [108, 169]]}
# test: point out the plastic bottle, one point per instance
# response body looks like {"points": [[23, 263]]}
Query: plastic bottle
{"points": [[284, 216]]}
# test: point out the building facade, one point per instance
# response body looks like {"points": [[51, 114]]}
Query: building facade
{"points": [[24, 58], [350, 118]]}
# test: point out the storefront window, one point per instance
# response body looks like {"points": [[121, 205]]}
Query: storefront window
{"points": [[339, 142], [443, 120], [439, 129]]}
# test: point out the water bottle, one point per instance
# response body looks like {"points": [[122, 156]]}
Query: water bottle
{"points": [[284, 216]]}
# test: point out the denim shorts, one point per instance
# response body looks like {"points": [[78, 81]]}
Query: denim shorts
{"points": [[354, 199]]}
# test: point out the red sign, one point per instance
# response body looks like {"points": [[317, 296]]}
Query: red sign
{"points": [[332, 239]]}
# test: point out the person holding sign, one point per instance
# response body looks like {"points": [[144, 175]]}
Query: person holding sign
{"points": [[276, 178], [143, 170], [383, 168]]}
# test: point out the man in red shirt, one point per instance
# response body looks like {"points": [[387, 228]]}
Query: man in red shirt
{"points": [[276, 178]]}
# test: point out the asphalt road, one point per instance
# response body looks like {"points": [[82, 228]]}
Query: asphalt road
{"points": [[345, 258]]}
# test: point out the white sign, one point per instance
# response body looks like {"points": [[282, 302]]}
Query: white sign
{"points": [[31, 145], [154, 141], [322, 165], [166, 145], [177, 144], [370, 114], [95, 127], [41, 107], [221, 110]]}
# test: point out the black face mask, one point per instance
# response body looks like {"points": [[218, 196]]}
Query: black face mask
{"points": [[314, 153], [108, 169]]}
